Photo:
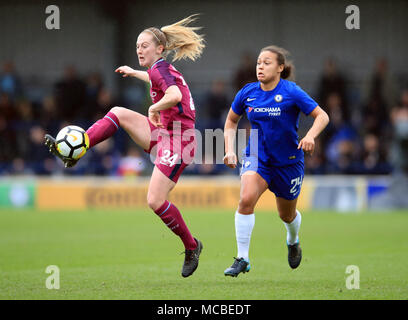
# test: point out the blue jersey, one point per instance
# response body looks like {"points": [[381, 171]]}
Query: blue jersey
{"points": [[275, 114]]}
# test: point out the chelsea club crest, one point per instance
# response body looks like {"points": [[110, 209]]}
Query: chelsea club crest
{"points": [[278, 98]]}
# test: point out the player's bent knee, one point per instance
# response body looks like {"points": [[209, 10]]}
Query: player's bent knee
{"points": [[287, 217], [119, 112], [247, 204], [154, 202], [116, 110]]}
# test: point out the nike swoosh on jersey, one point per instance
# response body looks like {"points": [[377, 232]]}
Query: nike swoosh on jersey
{"points": [[249, 99]]}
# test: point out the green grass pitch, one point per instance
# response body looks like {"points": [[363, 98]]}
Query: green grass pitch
{"points": [[123, 254]]}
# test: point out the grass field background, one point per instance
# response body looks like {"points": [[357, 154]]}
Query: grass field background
{"points": [[118, 254]]}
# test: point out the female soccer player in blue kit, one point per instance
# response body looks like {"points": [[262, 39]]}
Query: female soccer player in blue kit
{"points": [[273, 158]]}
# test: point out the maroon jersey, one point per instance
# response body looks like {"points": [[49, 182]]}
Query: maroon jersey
{"points": [[174, 146], [163, 75]]}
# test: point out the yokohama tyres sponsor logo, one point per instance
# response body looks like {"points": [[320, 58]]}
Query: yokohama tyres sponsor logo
{"points": [[273, 111]]}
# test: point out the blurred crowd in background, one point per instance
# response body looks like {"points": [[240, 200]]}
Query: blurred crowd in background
{"points": [[368, 135]]}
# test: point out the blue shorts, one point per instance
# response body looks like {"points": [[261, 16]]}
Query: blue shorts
{"points": [[285, 182]]}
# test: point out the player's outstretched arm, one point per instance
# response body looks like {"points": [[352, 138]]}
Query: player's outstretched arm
{"points": [[129, 72], [230, 130], [320, 122]]}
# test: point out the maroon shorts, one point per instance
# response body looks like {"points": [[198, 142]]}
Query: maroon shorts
{"points": [[173, 154]]}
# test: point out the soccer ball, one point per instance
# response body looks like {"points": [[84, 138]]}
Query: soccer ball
{"points": [[72, 142]]}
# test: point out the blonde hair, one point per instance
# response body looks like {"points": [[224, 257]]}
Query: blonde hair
{"points": [[180, 38]]}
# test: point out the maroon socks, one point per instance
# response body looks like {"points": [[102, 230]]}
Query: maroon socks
{"points": [[171, 216], [103, 129]]}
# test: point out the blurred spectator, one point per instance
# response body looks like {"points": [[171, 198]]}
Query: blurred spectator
{"points": [[39, 160], [396, 195], [315, 164], [48, 115], [7, 108], [8, 149], [8, 116], [333, 82], [375, 116], [105, 103], [380, 96], [373, 157], [343, 161], [217, 105], [132, 164], [9, 81], [246, 71], [25, 111], [212, 169], [94, 84], [382, 85], [18, 167], [208, 166], [334, 110], [101, 159], [23, 126], [399, 118], [340, 146], [70, 94]]}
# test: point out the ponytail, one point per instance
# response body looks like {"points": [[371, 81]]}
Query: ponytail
{"points": [[287, 70], [282, 54], [180, 38]]}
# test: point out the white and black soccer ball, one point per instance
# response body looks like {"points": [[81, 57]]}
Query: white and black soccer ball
{"points": [[72, 142]]}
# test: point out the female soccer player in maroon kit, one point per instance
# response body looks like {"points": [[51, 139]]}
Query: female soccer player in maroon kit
{"points": [[169, 127]]}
